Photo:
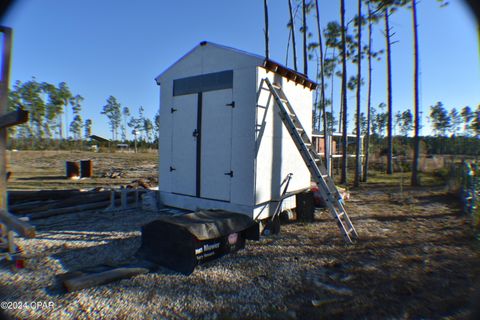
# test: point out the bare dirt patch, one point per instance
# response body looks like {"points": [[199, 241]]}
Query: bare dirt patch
{"points": [[41, 170]]}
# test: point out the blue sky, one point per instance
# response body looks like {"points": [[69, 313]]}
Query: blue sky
{"points": [[118, 47]]}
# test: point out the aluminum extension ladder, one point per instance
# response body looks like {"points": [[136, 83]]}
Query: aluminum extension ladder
{"points": [[326, 186]]}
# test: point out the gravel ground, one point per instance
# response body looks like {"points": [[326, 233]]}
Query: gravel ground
{"points": [[417, 258]]}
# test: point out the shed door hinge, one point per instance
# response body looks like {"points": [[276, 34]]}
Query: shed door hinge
{"points": [[172, 169], [229, 173], [232, 104], [172, 110]]}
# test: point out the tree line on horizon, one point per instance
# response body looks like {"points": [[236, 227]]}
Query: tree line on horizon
{"points": [[49, 106], [341, 46]]}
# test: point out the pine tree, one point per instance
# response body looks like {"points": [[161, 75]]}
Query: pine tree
{"points": [[343, 177], [416, 106], [358, 159], [291, 25], [113, 112], [76, 127], [467, 116], [88, 128], [440, 119], [65, 96], [456, 121], [125, 115], [156, 123]]}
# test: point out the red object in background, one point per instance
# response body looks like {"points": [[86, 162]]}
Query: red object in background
{"points": [[317, 198], [20, 264]]}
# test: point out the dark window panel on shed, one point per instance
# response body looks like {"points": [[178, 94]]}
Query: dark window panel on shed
{"points": [[202, 83]]}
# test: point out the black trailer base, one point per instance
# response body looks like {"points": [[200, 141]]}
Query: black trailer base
{"points": [[182, 242]]}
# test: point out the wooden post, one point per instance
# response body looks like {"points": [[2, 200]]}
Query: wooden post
{"points": [[4, 81], [8, 119]]}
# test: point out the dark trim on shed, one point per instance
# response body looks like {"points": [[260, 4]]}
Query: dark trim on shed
{"points": [[203, 83], [290, 74]]}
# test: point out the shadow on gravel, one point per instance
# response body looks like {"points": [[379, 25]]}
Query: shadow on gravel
{"points": [[404, 217]]}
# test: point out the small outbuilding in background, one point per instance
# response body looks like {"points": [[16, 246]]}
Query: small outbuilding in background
{"points": [[222, 144]]}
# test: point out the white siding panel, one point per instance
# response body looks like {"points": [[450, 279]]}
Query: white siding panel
{"points": [[165, 139], [277, 154], [243, 136], [216, 148], [184, 144]]}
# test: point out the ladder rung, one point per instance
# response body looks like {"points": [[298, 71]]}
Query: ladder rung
{"points": [[313, 161]]}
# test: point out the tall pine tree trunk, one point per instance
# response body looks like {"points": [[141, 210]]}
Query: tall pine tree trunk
{"points": [[305, 59], [369, 94], [343, 177], [416, 142], [294, 47], [358, 159], [265, 9], [326, 146], [389, 95]]}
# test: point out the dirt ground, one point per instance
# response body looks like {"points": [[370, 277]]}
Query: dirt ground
{"points": [[41, 170], [417, 258]]}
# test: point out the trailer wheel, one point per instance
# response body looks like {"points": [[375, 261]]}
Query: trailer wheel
{"points": [[271, 226]]}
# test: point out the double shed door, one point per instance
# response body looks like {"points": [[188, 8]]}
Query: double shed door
{"points": [[202, 144]]}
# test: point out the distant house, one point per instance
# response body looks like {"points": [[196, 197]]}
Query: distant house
{"points": [[123, 147], [102, 142], [99, 139]]}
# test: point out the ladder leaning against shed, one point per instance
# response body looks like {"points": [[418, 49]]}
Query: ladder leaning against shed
{"points": [[326, 186]]}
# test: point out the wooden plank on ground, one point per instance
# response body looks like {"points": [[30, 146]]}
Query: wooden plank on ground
{"points": [[21, 227], [96, 279], [21, 196], [78, 208], [74, 200]]}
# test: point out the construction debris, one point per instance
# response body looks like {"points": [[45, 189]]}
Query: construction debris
{"points": [[113, 174], [43, 204]]}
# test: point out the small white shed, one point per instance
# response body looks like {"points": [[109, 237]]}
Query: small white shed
{"points": [[222, 144]]}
